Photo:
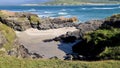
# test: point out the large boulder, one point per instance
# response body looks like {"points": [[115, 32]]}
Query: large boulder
{"points": [[19, 24], [16, 20]]}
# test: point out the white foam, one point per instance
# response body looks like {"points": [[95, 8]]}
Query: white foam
{"points": [[62, 13], [47, 12], [100, 8], [106, 8], [83, 8], [45, 15], [63, 10], [32, 10]]}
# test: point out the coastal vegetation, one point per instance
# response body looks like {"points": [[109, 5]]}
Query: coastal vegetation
{"points": [[78, 2], [7, 39], [34, 19], [8, 62], [106, 40]]}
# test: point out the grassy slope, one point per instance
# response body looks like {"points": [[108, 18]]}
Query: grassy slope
{"points": [[77, 2], [11, 62], [9, 35]]}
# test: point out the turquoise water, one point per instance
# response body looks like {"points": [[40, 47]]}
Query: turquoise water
{"points": [[84, 12]]}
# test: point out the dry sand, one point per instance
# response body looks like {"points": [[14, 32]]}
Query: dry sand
{"points": [[32, 39]]}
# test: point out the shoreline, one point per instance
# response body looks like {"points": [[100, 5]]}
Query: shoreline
{"points": [[100, 4]]}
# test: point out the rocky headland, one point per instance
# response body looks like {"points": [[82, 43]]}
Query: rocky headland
{"points": [[63, 38]]}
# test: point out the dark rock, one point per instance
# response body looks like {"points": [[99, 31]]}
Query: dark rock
{"points": [[90, 25], [34, 25], [35, 56], [23, 52], [68, 57], [48, 23], [12, 53]]}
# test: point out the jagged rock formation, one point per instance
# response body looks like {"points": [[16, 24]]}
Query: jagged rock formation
{"points": [[82, 29], [21, 21]]}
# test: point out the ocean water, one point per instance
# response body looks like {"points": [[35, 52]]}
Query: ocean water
{"points": [[83, 12]]}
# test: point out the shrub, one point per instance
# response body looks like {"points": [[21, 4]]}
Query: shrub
{"points": [[111, 53], [34, 19], [101, 43]]}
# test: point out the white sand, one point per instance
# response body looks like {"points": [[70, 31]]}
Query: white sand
{"points": [[32, 39]]}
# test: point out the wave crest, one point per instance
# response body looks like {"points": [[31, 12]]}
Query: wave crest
{"points": [[62, 13], [32, 10]]}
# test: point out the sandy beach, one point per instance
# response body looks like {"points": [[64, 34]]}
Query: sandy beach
{"points": [[32, 39]]}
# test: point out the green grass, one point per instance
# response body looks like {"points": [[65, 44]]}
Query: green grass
{"points": [[34, 19], [11, 62], [101, 35], [9, 35]]}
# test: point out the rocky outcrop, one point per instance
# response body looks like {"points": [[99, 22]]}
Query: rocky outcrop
{"points": [[15, 20], [24, 53], [21, 52], [48, 23], [82, 29], [112, 21], [21, 21], [90, 25]]}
